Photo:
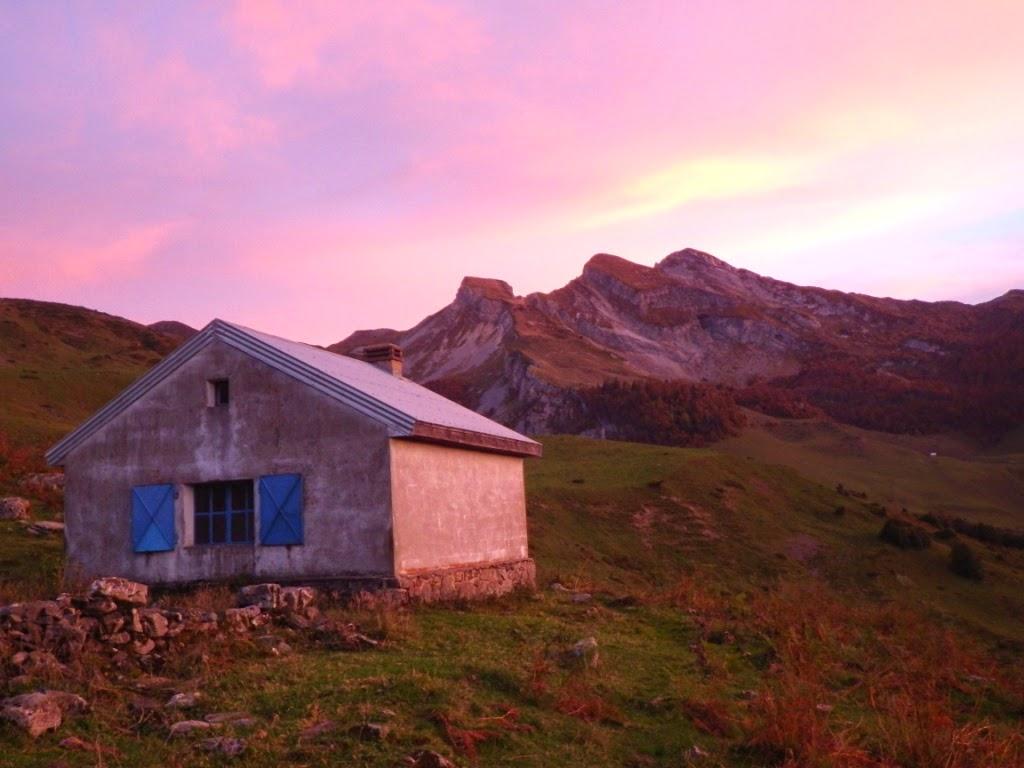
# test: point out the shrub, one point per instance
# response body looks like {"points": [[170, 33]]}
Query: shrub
{"points": [[964, 561], [983, 532], [904, 535], [661, 412]]}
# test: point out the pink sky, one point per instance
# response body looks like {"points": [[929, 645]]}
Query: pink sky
{"points": [[312, 168]]}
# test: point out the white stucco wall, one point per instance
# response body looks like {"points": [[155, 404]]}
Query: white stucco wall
{"points": [[455, 507]]}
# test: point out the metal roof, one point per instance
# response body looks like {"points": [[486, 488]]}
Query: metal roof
{"points": [[404, 407]]}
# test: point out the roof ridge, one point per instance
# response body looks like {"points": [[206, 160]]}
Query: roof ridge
{"points": [[272, 350]]}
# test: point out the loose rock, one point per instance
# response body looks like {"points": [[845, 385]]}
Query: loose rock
{"points": [[186, 727], [244, 619], [45, 527], [224, 746], [266, 596], [222, 718], [14, 508], [296, 599], [184, 700], [32, 714], [42, 711], [120, 590], [273, 645], [585, 651]]}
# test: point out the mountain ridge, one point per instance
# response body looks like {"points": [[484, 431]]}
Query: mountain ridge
{"points": [[692, 317]]}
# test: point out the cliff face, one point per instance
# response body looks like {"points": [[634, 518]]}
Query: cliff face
{"points": [[692, 317]]}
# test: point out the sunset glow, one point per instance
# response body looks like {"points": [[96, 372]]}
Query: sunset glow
{"points": [[312, 168]]}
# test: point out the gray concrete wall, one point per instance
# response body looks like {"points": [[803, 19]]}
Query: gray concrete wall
{"points": [[273, 425], [455, 507]]}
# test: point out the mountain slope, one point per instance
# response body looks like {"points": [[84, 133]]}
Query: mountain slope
{"points": [[879, 363], [59, 363]]}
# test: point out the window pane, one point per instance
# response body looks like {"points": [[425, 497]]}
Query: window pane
{"points": [[219, 493], [239, 529], [241, 495], [202, 498], [219, 534], [202, 529]]}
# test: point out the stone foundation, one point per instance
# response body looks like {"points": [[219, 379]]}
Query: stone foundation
{"points": [[473, 582]]}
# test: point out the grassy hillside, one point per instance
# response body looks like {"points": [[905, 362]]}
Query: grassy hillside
{"points": [[734, 608], [961, 479], [60, 363]]}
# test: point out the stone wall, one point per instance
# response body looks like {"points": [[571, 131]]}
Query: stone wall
{"points": [[469, 583]]}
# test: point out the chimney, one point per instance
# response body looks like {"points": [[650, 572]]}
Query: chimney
{"points": [[387, 357]]}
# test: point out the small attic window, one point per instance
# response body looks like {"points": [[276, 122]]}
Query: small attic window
{"points": [[217, 392]]}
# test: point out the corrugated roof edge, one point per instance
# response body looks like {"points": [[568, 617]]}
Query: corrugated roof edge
{"points": [[399, 424]]}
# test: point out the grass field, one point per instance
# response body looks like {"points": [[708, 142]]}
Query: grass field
{"points": [[982, 483], [735, 610]]}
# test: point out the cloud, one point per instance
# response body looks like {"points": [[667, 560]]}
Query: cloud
{"points": [[168, 97], [42, 260], [699, 179], [341, 45]]}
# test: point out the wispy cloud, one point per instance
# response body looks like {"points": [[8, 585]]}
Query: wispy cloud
{"points": [[168, 96], [70, 261], [321, 44]]}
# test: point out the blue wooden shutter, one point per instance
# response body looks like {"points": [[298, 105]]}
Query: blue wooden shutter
{"points": [[280, 510], [153, 518]]}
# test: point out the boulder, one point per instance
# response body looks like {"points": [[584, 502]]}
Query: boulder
{"points": [[32, 713], [296, 599], [14, 508], [154, 623], [585, 651], [42, 711], [230, 718], [266, 596], [244, 619], [273, 645], [120, 590], [186, 727]]}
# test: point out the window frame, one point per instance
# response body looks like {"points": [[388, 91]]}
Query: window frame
{"points": [[213, 527], [218, 392]]}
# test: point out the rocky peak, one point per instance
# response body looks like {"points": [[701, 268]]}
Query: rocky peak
{"points": [[691, 260], [637, 276], [474, 289]]}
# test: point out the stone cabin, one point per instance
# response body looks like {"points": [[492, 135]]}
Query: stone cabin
{"points": [[244, 456]]}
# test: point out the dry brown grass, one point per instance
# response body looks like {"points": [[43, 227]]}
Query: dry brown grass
{"points": [[858, 684], [208, 598]]}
